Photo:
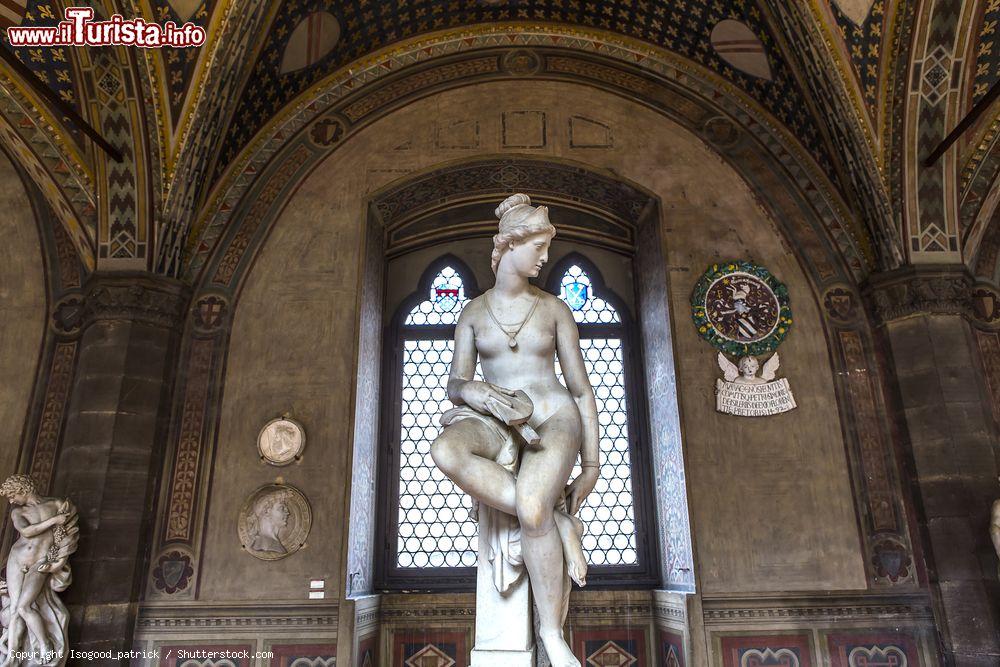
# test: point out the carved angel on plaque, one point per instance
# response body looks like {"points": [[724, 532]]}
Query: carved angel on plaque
{"points": [[745, 394]]}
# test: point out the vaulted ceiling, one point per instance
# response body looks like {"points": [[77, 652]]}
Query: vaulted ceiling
{"points": [[837, 75]]}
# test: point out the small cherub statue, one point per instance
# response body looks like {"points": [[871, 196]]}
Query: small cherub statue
{"points": [[745, 372], [34, 619]]}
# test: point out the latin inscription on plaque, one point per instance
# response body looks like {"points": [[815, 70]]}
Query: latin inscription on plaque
{"points": [[753, 400]]}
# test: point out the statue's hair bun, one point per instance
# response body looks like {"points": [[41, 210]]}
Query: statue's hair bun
{"points": [[511, 202]]}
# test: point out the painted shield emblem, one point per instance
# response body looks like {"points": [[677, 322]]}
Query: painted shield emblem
{"points": [[577, 295], [173, 570], [446, 298]]}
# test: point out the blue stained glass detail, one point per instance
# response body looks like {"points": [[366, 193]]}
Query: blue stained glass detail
{"points": [[578, 293]]}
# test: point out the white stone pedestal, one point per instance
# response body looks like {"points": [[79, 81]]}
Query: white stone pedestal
{"points": [[504, 627]]}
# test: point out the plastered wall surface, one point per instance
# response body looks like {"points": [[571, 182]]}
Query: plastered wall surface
{"points": [[22, 308], [770, 497]]}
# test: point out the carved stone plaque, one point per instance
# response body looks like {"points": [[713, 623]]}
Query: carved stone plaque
{"points": [[274, 522], [281, 441]]}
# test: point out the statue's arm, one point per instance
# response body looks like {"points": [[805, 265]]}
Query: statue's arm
{"points": [[463, 360], [28, 529], [577, 379]]}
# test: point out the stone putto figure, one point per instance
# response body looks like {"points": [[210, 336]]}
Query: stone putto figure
{"points": [[34, 619], [511, 442]]}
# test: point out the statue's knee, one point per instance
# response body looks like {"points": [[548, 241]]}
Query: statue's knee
{"points": [[535, 519], [444, 454]]}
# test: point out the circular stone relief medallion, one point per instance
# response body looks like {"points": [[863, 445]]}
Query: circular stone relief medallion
{"points": [[274, 522], [741, 309], [281, 441]]}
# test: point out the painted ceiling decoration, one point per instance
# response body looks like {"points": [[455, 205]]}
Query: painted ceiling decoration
{"points": [[741, 48], [313, 38], [12, 12], [988, 51], [180, 64], [185, 10], [57, 67], [863, 40], [684, 28], [856, 11]]}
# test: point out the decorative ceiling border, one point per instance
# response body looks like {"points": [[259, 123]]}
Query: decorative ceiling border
{"points": [[64, 183], [852, 142], [212, 102], [668, 68]]}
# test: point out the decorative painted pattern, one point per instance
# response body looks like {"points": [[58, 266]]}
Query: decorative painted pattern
{"points": [[60, 381], [257, 214], [169, 655], [987, 53], [610, 647], [864, 46], [989, 350], [671, 649], [54, 66], [430, 648], [873, 649], [304, 655], [851, 239], [767, 651], [188, 459], [179, 64], [368, 651], [684, 29], [862, 400]]}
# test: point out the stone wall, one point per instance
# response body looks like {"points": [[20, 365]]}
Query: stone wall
{"points": [[772, 511], [22, 310]]}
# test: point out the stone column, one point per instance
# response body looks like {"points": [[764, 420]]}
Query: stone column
{"points": [[925, 314], [130, 326]]}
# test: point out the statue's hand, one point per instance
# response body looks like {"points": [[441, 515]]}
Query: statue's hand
{"points": [[580, 488], [60, 519], [475, 394]]}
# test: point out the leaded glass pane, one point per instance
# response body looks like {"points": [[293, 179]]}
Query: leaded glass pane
{"points": [[609, 538], [578, 293], [435, 529], [444, 303]]}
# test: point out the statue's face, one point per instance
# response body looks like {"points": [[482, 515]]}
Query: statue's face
{"points": [[278, 514], [18, 499], [748, 367], [528, 256]]}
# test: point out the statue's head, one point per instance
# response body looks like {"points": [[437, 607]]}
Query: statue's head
{"points": [[748, 367], [17, 488], [270, 513], [525, 230]]}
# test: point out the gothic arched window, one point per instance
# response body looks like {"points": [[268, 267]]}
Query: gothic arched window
{"points": [[429, 535]]}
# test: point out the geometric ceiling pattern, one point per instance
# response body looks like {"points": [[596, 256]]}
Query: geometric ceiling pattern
{"points": [[988, 51], [365, 26], [179, 63], [864, 46], [55, 67]]}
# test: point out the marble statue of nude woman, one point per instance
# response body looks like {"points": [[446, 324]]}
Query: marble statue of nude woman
{"points": [[517, 330]]}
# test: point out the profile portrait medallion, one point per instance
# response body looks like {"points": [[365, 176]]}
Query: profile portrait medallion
{"points": [[274, 522], [281, 441]]}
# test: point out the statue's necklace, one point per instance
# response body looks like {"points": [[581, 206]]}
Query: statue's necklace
{"points": [[512, 335]]}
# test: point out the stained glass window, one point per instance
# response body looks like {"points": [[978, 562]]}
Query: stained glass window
{"points": [[434, 526]]}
